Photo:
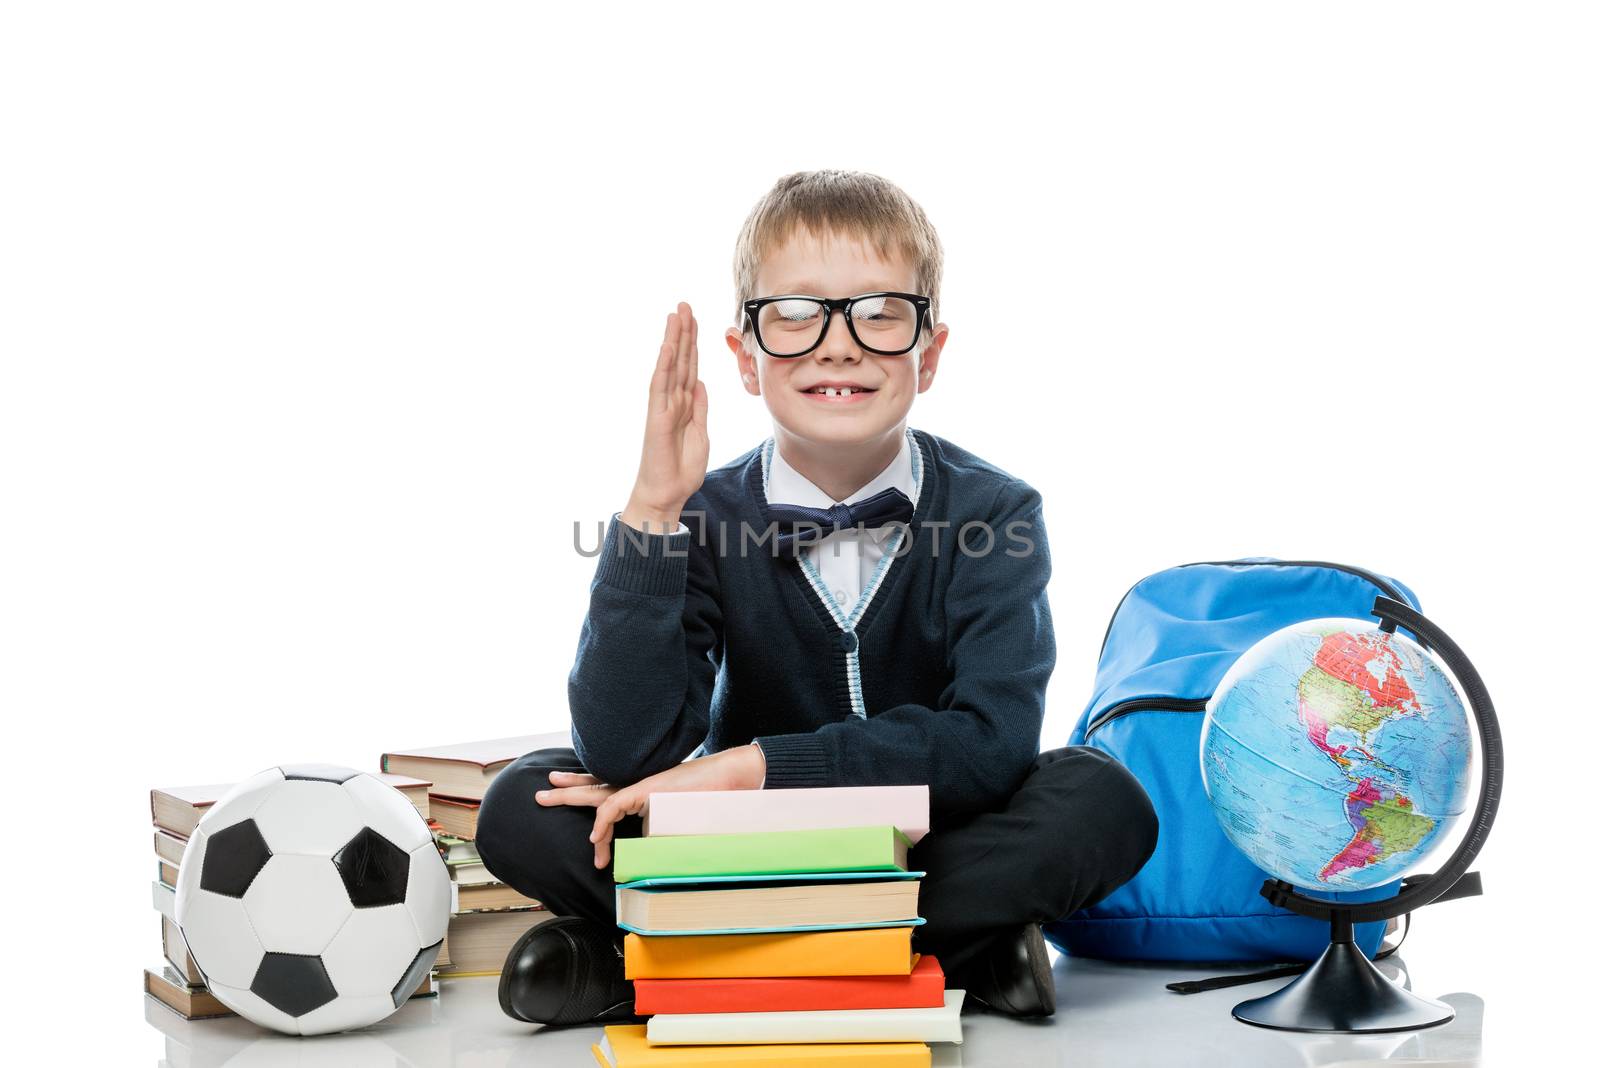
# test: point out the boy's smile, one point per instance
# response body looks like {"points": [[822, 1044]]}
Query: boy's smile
{"points": [[838, 411], [839, 391]]}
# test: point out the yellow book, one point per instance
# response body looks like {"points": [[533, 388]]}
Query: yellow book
{"points": [[868, 951], [625, 1046]]}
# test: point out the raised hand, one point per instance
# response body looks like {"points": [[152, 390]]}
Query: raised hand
{"points": [[673, 462]]}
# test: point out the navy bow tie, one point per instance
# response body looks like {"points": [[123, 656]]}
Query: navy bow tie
{"points": [[890, 506]]}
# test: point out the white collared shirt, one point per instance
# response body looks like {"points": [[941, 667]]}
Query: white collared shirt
{"points": [[846, 559]]}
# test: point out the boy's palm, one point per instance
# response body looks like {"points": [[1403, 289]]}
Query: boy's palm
{"points": [[676, 446]]}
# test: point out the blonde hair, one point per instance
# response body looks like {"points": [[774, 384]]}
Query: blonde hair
{"points": [[845, 203]]}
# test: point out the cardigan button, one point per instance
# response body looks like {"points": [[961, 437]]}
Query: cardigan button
{"points": [[848, 642]]}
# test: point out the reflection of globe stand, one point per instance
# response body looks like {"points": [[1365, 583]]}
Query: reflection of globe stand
{"points": [[1342, 991]]}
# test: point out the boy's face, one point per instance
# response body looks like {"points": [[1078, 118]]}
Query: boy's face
{"points": [[881, 387]]}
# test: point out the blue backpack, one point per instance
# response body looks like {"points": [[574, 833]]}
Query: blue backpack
{"points": [[1168, 645]]}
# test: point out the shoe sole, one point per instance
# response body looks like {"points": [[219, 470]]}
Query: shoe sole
{"points": [[1039, 963]]}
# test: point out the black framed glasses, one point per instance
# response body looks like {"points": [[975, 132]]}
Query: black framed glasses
{"points": [[887, 324]]}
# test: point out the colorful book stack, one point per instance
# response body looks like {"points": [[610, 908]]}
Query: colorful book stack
{"points": [[487, 916], [774, 927], [176, 811]]}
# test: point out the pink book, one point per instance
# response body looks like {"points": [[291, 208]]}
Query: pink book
{"points": [[806, 809]]}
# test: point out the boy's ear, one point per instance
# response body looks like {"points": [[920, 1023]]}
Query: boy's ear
{"points": [[746, 362], [930, 357]]}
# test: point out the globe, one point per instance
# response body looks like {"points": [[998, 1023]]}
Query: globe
{"points": [[1335, 755]]}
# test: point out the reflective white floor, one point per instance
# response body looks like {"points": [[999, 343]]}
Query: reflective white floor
{"points": [[1108, 1014]]}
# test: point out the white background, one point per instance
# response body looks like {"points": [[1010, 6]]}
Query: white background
{"points": [[322, 323]]}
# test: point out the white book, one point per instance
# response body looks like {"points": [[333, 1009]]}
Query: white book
{"points": [[811, 808], [474, 874], [165, 899], [832, 1025]]}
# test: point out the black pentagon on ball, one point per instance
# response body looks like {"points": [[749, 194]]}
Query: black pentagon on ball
{"points": [[374, 870], [318, 772], [293, 983], [419, 967], [234, 857]]}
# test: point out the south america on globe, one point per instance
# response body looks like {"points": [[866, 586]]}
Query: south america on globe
{"points": [[1336, 755]]}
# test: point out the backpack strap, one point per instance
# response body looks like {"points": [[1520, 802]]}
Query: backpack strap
{"points": [[1389, 949], [1218, 982], [1469, 885]]}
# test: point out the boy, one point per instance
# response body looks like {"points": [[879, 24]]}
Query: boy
{"points": [[852, 603]]}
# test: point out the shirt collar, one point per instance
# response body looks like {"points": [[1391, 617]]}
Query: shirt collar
{"points": [[786, 484]]}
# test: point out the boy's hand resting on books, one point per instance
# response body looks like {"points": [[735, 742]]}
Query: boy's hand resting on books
{"points": [[673, 463], [741, 768]]}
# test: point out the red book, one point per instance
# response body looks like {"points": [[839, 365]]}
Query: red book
{"points": [[923, 988]]}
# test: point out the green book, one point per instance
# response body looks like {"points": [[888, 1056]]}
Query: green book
{"points": [[761, 853]]}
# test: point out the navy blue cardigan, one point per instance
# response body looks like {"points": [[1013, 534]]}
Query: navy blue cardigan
{"points": [[938, 675]]}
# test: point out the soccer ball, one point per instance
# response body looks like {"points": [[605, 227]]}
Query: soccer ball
{"points": [[312, 899]]}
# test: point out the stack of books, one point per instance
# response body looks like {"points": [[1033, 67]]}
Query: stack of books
{"points": [[175, 811], [487, 916], [774, 927]]}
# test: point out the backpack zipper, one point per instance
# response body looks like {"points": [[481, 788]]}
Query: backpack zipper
{"points": [[1146, 704], [1198, 704]]}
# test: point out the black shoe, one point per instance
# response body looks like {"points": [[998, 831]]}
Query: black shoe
{"points": [[1013, 975], [566, 971]]}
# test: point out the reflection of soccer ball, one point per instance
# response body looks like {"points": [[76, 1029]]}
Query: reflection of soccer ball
{"points": [[312, 899]]}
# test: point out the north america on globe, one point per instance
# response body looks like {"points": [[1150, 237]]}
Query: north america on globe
{"points": [[1355, 682], [1335, 754]]}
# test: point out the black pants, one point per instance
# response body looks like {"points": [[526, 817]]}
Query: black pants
{"points": [[1079, 826]]}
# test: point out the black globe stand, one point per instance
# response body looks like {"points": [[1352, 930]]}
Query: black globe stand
{"points": [[1343, 992]]}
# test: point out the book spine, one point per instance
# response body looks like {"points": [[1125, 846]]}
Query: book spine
{"points": [[922, 990], [746, 811], [778, 852], [868, 1025], [872, 951]]}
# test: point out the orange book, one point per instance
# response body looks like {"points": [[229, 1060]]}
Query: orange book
{"points": [[867, 951]]}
